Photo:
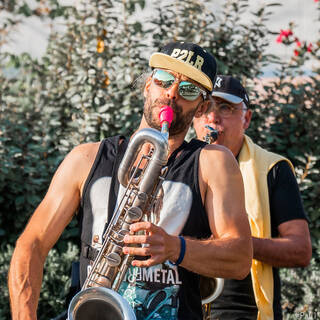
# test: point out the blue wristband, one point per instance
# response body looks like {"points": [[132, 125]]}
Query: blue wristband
{"points": [[182, 251]]}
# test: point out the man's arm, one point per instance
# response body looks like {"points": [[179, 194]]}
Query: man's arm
{"points": [[291, 249], [228, 253], [43, 230]]}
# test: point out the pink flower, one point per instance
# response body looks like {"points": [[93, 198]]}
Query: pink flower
{"points": [[279, 38], [286, 33], [298, 43], [316, 0], [309, 48], [296, 52]]}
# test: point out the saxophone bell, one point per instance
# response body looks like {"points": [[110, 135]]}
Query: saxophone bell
{"points": [[210, 290], [99, 303]]}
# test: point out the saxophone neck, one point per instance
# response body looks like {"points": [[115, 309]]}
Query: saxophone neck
{"points": [[165, 130]]}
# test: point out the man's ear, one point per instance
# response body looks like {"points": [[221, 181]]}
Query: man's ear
{"points": [[202, 109], [147, 87], [247, 119]]}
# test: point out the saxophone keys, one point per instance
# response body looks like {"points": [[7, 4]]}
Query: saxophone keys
{"points": [[134, 214], [143, 197], [121, 234], [113, 259], [103, 282]]}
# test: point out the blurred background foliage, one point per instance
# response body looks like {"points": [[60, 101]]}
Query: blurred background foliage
{"points": [[87, 86]]}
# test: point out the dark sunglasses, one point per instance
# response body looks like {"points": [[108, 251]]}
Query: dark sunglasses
{"points": [[187, 90]]}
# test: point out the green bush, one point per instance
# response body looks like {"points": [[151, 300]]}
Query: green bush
{"points": [[27, 162], [292, 110], [5, 257], [301, 290], [55, 286], [81, 90]]}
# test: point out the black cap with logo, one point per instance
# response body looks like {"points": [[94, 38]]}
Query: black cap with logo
{"points": [[188, 59], [230, 89]]}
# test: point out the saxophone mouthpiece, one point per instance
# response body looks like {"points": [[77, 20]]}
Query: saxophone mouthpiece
{"points": [[166, 115], [212, 135]]}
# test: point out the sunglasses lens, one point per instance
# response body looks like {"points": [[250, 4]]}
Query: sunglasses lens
{"points": [[163, 79], [188, 90]]}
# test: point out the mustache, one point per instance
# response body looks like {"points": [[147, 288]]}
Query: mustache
{"points": [[169, 102]]}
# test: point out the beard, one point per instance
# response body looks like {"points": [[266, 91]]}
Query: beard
{"points": [[181, 122]]}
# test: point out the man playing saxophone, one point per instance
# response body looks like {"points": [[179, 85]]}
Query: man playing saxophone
{"points": [[199, 224], [278, 222]]}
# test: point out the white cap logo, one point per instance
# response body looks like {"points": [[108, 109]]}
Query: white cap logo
{"points": [[218, 82]]}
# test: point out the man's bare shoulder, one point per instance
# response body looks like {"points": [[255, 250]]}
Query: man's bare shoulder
{"points": [[85, 153], [77, 164], [212, 151], [216, 160]]}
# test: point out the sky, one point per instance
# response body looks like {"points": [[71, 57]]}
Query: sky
{"points": [[32, 34]]}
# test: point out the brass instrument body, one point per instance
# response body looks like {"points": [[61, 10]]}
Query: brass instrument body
{"points": [[137, 201], [111, 264]]}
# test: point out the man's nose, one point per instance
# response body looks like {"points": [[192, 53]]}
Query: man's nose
{"points": [[213, 117], [173, 92]]}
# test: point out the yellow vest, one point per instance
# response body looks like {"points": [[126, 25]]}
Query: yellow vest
{"points": [[255, 163]]}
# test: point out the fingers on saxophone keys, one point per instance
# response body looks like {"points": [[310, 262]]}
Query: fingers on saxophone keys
{"points": [[144, 263], [133, 251], [148, 226], [136, 239]]}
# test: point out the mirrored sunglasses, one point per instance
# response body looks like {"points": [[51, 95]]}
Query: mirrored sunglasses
{"points": [[187, 90]]}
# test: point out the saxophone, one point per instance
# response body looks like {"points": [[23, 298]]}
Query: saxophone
{"points": [[98, 298], [210, 288]]}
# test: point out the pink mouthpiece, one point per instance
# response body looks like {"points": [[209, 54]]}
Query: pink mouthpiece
{"points": [[166, 114]]}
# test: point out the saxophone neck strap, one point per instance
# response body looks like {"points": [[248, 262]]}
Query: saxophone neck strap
{"points": [[89, 252]]}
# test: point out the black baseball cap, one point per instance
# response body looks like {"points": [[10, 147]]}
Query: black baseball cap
{"points": [[188, 59], [230, 89]]}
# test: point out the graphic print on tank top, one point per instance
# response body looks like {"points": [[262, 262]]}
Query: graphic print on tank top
{"points": [[152, 292]]}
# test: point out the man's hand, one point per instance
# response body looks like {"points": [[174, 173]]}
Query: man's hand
{"points": [[291, 249], [155, 242]]}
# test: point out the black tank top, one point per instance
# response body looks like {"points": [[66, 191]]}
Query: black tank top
{"points": [[163, 291], [237, 300]]}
